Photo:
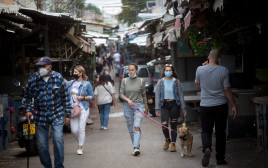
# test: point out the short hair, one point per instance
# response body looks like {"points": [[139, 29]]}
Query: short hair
{"points": [[214, 54]]}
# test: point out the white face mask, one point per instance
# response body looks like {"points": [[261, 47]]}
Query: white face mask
{"points": [[43, 72], [134, 76]]}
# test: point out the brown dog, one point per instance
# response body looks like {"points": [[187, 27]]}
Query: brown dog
{"points": [[186, 139]]}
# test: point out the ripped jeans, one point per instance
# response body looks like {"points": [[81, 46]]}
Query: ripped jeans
{"points": [[134, 119], [170, 111]]}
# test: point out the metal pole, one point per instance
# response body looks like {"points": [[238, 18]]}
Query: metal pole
{"points": [[28, 143]]}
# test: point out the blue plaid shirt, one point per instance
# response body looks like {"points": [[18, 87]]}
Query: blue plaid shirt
{"points": [[51, 98]]}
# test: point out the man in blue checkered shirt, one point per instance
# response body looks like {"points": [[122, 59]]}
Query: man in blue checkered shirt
{"points": [[52, 108]]}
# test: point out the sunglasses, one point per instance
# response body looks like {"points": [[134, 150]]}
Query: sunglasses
{"points": [[168, 65]]}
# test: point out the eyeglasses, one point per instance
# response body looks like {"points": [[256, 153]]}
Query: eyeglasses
{"points": [[168, 65]]}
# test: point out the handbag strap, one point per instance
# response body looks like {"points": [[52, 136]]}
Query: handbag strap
{"points": [[107, 89], [82, 88]]}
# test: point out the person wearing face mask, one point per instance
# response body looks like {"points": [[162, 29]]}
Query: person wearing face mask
{"points": [[52, 109], [133, 92], [81, 93], [168, 101]]}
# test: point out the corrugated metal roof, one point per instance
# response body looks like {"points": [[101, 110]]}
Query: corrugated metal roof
{"points": [[13, 10], [33, 13]]}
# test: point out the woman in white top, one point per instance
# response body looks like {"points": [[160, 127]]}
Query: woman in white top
{"points": [[104, 98], [81, 92]]}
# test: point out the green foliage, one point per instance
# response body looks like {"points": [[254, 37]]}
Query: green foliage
{"points": [[199, 49], [129, 14], [212, 30], [93, 7]]}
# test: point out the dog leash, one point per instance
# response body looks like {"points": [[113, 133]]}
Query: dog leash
{"points": [[136, 108]]}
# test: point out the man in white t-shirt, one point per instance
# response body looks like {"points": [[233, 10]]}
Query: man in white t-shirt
{"points": [[117, 58]]}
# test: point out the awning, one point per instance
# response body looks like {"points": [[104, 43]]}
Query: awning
{"points": [[149, 21], [81, 43], [87, 47], [37, 14], [168, 18], [140, 40], [158, 38], [92, 34], [159, 61], [132, 31], [146, 16], [100, 41], [11, 20]]}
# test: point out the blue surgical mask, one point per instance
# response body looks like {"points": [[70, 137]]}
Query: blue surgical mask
{"points": [[134, 76], [168, 74]]}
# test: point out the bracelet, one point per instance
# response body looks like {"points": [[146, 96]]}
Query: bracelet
{"points": [[84, 97]]}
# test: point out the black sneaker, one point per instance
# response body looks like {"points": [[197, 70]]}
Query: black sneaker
{"points": [[221, 162], [136, 152], [206, 157]]}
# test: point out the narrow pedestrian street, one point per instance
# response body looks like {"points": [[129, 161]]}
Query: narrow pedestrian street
{"points": [[112, 148]]}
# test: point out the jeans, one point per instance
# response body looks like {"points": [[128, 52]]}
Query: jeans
{"points": [[42, 134], [104, 113], [134, 119], [214, 115], [78, 126], [170, 110]]}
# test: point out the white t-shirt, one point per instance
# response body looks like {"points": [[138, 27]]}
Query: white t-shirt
{"points": [[117, 57], [45, 78], [74, 94], [104, 96]]}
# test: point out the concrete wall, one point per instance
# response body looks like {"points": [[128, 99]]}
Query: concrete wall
{"points": [[186, 67]]}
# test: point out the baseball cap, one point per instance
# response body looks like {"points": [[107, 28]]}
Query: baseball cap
{"points": [[44, 61]]}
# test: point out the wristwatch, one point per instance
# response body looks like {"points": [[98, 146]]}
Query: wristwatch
{"points": [[84, 97]]}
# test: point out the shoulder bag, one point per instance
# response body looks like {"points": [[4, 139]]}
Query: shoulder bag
{"points": [[110, 94], [76, 110]]}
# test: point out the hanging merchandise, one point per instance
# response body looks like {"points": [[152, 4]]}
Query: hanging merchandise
{"points": [[172, 36], [187, 20]]}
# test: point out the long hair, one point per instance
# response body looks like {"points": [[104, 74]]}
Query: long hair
{"points": [[103, 80], [135, 65], [174, 73], [82, 70]]}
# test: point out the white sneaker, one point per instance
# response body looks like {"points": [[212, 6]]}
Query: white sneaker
{"points": [[101, 128], [79, 152], [90, 121], [105, 128], [136, 152]]}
